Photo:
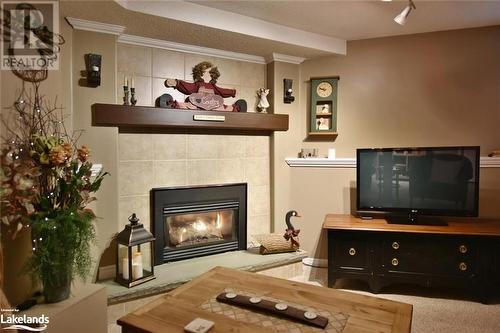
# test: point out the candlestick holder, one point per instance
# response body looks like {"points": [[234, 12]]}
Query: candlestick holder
{"points": [[125, 95], [133, 100]]}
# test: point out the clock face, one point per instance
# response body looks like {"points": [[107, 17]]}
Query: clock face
{"points": [[324, 89]]}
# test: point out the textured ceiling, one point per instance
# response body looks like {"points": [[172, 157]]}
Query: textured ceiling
{"points": [[352, 20], [181, 32]]}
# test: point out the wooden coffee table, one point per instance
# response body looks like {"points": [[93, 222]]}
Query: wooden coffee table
{"points": [[347, 312]]}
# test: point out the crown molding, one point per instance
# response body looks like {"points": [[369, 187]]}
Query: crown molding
{"points": [[485, 162], [284, 58], [173, 46], [105, 28]]}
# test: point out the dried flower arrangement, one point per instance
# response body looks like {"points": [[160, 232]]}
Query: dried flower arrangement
{"points": [[46, 186]]}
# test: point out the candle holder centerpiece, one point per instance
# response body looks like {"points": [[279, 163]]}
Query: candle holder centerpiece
{"points": [[134, 264]]}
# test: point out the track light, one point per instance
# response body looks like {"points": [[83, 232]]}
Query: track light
{"points": [[401, 18]]}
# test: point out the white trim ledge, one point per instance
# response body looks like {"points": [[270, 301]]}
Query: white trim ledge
{"points": [[105, 28], [321, 162], [173, 46], [490, 162], [485, 162]]}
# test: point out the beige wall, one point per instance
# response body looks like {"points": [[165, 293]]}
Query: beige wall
{"points": [[162, 160], [428, 89], [102, 140], [284, 144]]}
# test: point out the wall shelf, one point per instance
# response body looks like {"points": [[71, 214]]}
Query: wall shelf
{"points": [[485, 162], [143, 118]]}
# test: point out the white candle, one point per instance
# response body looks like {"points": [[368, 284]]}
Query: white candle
{"points": [[125, 268], [122, 254], [125, 81], [137, 265], [132, 83], [136, 271]]}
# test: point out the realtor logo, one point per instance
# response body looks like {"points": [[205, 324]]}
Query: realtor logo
{"points": [[9, 320], [30, 35]]}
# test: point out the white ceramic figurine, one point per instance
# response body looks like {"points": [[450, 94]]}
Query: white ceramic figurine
{"points": [[263, 103]]}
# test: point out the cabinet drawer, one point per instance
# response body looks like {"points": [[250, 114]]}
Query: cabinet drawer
{"points": [[428, 255], [350, 254]]}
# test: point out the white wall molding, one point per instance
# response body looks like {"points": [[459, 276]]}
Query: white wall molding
{"points": [[485, 162], [173, 46], [105, 28], [322, 162], [284, 58], [490, 162], [224, 20]]}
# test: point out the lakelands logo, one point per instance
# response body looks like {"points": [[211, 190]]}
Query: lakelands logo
{"points": [[30, 35], [25, 322]]}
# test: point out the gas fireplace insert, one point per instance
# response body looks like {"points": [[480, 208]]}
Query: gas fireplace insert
{"points": [[194, 221]]}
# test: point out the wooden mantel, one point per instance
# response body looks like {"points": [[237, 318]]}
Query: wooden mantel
{"points": [[138, 118]]}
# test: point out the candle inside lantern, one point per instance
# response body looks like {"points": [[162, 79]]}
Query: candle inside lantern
{"points": [[125, 268], [137, 265], [122, 254]]}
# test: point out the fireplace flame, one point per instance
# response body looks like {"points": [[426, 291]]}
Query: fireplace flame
{"points": [[200, 225], [217, 222], [190, 229]]}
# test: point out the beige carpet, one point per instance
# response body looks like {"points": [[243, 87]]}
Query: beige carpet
{"points": [[434, 309]]}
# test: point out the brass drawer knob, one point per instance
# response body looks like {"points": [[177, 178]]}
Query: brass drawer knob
{"points": [[352, 251], [462, 249], [462, 266], [395, 262], [395, 245]]}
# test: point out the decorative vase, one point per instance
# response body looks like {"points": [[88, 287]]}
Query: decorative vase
{"points": [[57, 291]]}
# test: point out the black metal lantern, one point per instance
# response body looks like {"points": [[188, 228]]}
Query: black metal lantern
{"points": [[134, 266]]}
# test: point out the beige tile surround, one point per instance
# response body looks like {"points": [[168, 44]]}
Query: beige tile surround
{"points": [[162, 160]]}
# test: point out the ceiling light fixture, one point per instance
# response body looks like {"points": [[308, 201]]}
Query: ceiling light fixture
{"points": [[401, 18]]}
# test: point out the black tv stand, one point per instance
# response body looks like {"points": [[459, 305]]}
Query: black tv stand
{"points": [[463, 254], [413, 219]]}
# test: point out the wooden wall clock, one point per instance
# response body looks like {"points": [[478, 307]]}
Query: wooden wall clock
{"points": [[323, 107]]}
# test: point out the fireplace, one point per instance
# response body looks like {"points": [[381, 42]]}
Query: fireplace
{"points": [[196, 221]]}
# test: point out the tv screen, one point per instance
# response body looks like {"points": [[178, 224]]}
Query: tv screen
{"points": [[424, 181]]}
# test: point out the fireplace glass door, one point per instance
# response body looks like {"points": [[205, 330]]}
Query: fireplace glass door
{"points": [[200, 228]]}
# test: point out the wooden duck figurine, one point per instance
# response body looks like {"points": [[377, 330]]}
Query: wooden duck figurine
{"points": [[291, 233]]}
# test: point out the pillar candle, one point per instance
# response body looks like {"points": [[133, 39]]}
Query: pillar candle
{"points": [[136, 271], [137, 265], [123, 253], [125, 268]]}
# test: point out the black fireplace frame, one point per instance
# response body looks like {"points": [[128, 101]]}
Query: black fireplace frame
{"points": [[176, 199]]}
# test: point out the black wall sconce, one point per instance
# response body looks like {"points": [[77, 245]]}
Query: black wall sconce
{"points": [[93, 64], [287, 91]]}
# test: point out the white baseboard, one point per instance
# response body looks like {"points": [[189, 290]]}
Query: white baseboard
{"points": [[107, 272], [314, 262]]}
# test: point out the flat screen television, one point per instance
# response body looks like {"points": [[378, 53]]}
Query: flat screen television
{"points": [[406, 184]]}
